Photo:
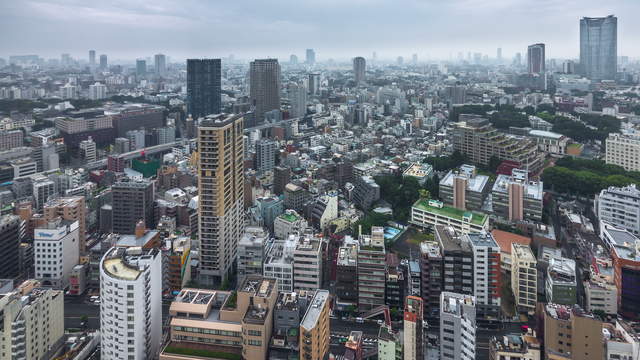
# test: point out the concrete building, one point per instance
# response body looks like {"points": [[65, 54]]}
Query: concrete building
{"points": [[10, 139], [251, 251], [298, 99], [457, 326], [160, 64], [430, 213], [281, 177], [264, 88], [372, 268], [324, 209], [516, 197], [289, 223], [216, 322], [413, 338], [504, 240], [265, 155], [486, 275], [42, 189], [524, 277], [359, 70], [600, 288], [71, 208], [10, 226], [623, 150], [56, 252], [130, 303], [366, 192], [620, 207], [389, 344], [221, 194], [347, 275], [458, 264], [133, 201], [464, 188], [561, 284], [515, 347], [431, 266], [315, 328], [32, 322], [295, 197], [307, 262], [599, 47], [204, 91], [536, 58], [550, 142], [422, 172], [88, 150], [278, 263], [571, 333], [97, 91], [176, 262]]}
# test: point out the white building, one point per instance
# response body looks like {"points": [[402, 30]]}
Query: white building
{"points": [[307, 262], [131, 303], [524, 277], [457, 326], [623, 150], [289, 223], [550, 142], [97, 91], [88, 148], [620, 207], [600, 289], [278, 263], [42, 189], [251, 251], [56, 252], [69, 91], [486, 273]]}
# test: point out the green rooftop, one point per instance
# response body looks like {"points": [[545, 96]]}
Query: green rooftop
{"points": [[476, 218], [289, 217]]}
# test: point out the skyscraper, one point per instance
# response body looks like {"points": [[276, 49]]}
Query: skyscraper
{"points": [[132, 202], [103, 62], [160, 63], [92, 58], [599, 47], [298, 99], [203, 87], [293, 59], [265, 155], [499, 55], [311, 57], [141, 67], [264, 76], [221, 191], [359, 68], [535, 58]]}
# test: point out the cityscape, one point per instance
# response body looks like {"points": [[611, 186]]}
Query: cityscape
{"points": [[346, 201]]}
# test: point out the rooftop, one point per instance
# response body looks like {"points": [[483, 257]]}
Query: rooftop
{"points": [[450, 240], [482, 239], [624, 243], [505, 239], [418, 170], [431, 249], [456, 304], [532, 189], [475, 182], [451, 212], [523, 252], [312, 315], [124, 263]]}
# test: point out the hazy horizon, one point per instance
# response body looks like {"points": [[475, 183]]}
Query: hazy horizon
{"points": [[278, 28]]}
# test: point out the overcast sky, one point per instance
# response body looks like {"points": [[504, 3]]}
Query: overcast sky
{"points": [[340, 29]]}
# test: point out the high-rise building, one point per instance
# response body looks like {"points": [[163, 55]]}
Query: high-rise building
{"points": [[372, 269], [88, 150], [281, 177], [599, 47], [141, 67], [130, 303], [313, 83], [516, 197], [298, 99], [103, 62], [204, 78], [221, 191], [56, 252], [623, 150], [464, 188], [524, 277], [9, 246], [132, 202], [572, 333], [160, 64], [70, 208], [620, 207], [457, 326], [293, 59], [32, 322], [97, 91], [431, 270], [264, 88], [265, 155], [499, 55], [315, 328], [536, 58], [413, 337], [486, 275], [359, 69], [92, 58], [517, 60], [310, 57]]}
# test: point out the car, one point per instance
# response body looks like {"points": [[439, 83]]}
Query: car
{"points": [[359, 320]]}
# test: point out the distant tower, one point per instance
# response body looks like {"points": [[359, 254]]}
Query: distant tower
{"points": [[499, 55], [103, 62], [141, 67], [160, 63], [536, 58], [293, 59], [359, 69], [298, 99], [414, 59], [264, 90], [517, 60], [599, 47], [311, 57], [203, 87], [92, 58], [400, 60]]}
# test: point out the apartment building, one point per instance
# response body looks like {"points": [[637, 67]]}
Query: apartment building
{"points": [[251, 251], [278, 263], [70, 208], [347, 274], [600, 288], [623, 150], [307, 262], [571, 333], [372, 269], [413, 338], [56, 252], [524, 277], [464, 188], [457, 326], [431, 264], [620, 207], [486, 275], [289, 223], [517, 198], [561, 284], [315, 328]]}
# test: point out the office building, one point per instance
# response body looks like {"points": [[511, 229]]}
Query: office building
{"points": [[413, 338], [129, 117], [372, 269], [475, 137], [572, 333], [221, 191], [431, 266], [307, 262], [486, 275], [264, 87], [366, 192], [278, 263], [133, 202], [536, 58], [103, 62], [141, 67], [517, 198], [347, 274], [251, 249], [515, 347], [313, 82], [130, 303], [315, 328], [42, 188], [234, 323], [9, 246], [310, 57], [56, 252], [88, 150], [457, 326], [359, 69], [524, 277], [430, 213], [600, 289], [92, 58], [204, 78], [599, 47], [295, 197], [561, 284], [620, 207], [269, 209], [10, 139], [266, 155], [32, 322], [160, 63], [281, 177], [623, 150], [71, 208], [464, 188], [97, 91], [289, 223], [298, 99]]}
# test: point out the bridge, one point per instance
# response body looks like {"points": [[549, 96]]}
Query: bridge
{"points": [[151, 150]]}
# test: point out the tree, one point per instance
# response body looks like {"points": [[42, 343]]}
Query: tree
{"points": [[424, 194]]}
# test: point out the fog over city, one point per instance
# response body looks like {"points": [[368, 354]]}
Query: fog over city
{"points": [[434, 29]]}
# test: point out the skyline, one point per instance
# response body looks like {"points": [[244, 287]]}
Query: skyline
{"points": [[280, 28]]}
